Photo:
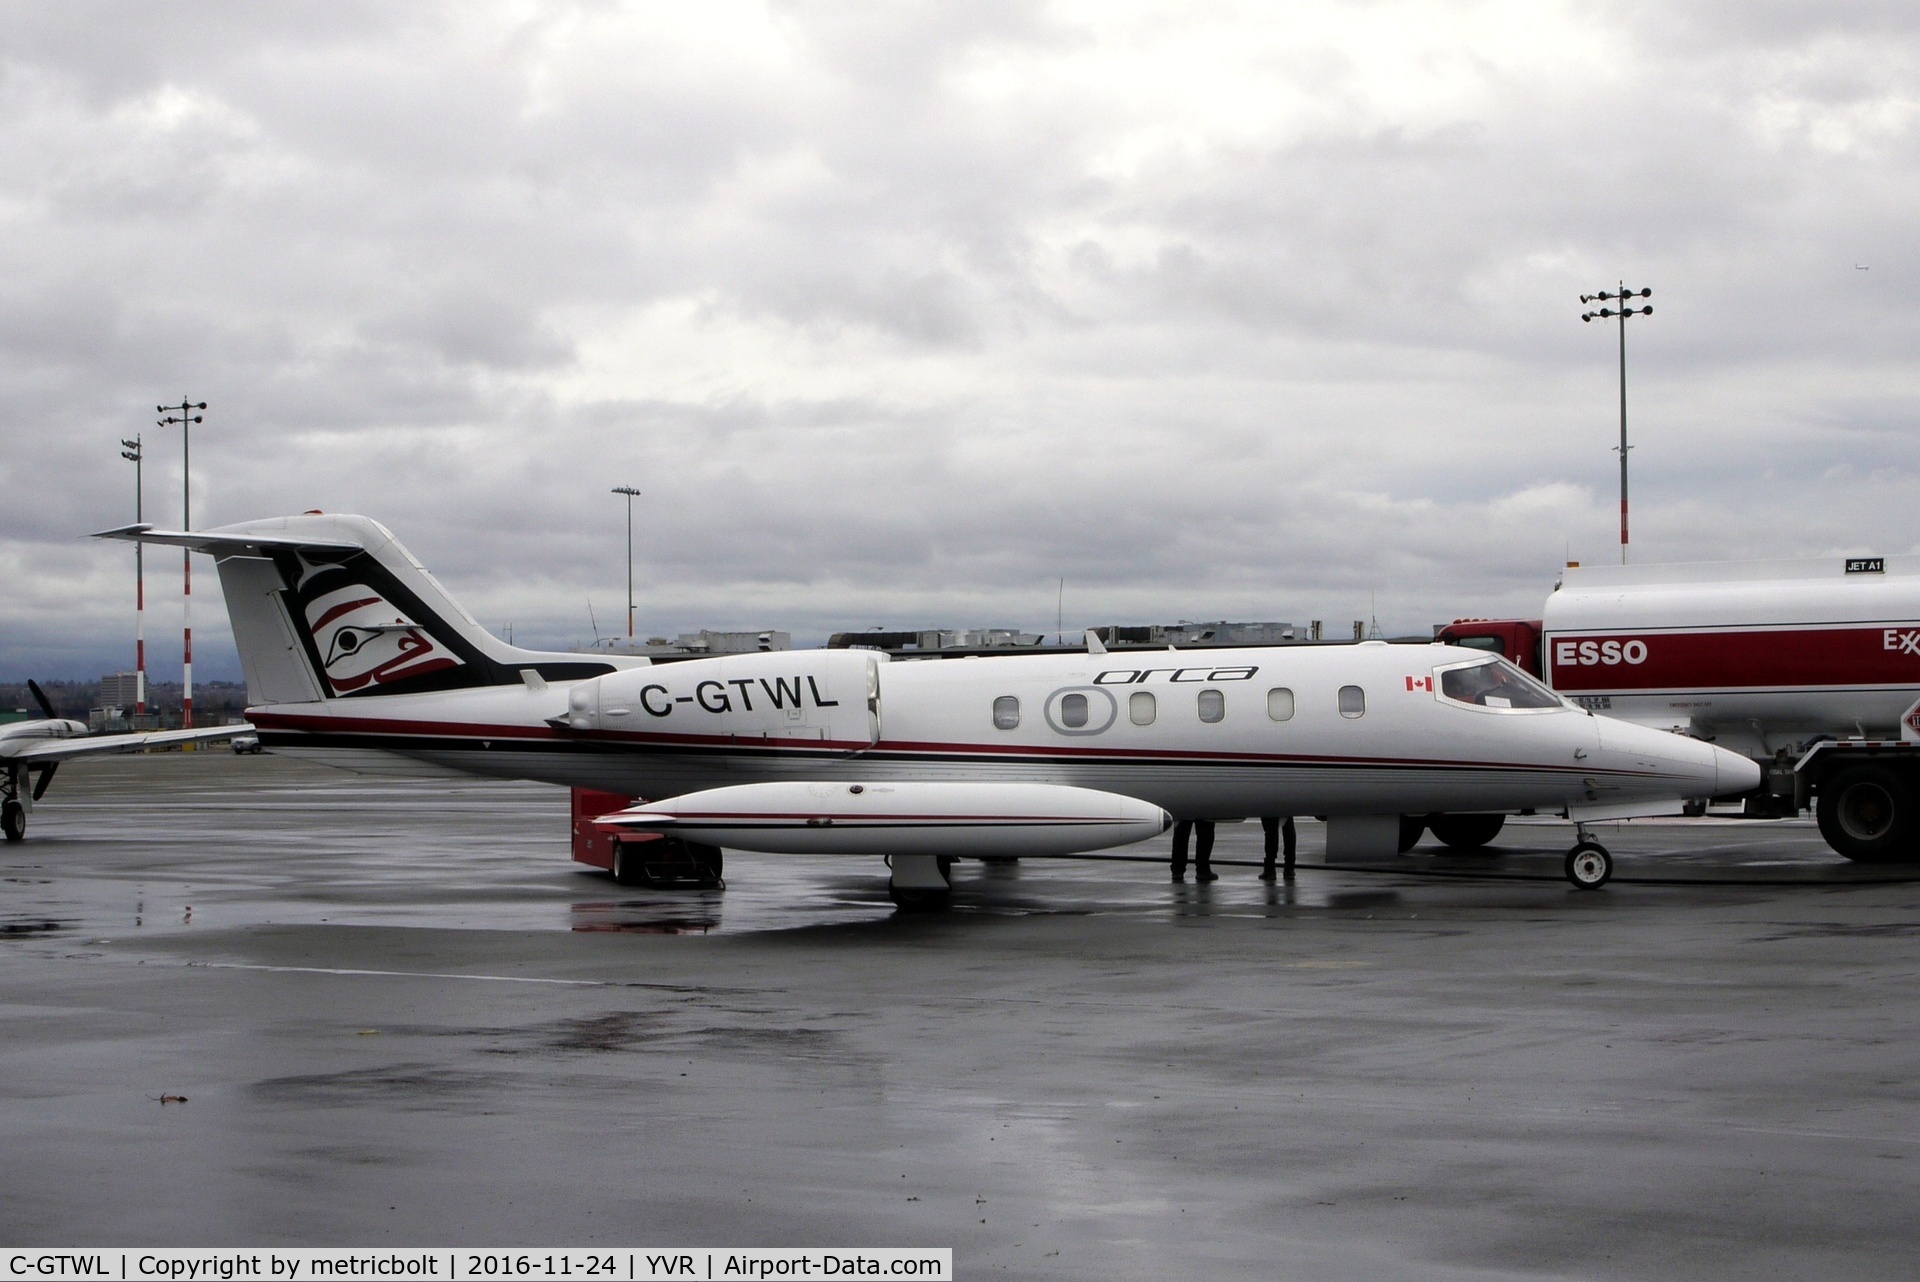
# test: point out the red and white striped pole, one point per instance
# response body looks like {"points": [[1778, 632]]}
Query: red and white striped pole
{"points": [[186, 420]]}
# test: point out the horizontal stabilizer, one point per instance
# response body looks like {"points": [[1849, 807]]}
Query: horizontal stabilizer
{"points": [[217, 543]]}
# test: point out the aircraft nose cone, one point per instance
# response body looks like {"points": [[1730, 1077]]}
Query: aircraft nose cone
{"points": [[1734, 773]]}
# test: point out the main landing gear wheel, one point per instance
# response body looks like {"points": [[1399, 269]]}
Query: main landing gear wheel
{"points": [[13, 821], [1465, 832], [1589, 865]]}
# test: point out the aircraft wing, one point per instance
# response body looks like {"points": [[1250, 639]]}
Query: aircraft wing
{"points": [[91, 745]]}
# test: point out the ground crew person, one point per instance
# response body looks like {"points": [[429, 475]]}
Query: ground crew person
{"points": [[1203, 851], [1273, 828]]}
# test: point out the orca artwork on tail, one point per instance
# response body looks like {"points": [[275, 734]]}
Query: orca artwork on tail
{"points": [[354, 654]]}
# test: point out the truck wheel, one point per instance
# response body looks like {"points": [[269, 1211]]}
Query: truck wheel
{"points": [[626, 864], [1466, 832], [13, 819], [1866, 814], [1411, 828]]}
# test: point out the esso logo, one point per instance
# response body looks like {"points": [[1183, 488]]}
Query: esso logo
{"points": [[1592, 654]]}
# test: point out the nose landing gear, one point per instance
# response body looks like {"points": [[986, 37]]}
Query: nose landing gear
{"points": [[1588, 864]]}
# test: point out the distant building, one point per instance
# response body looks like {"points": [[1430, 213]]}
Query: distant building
{"points": [[1194, 634], [933, 639], [120, 690], [699, 643]]}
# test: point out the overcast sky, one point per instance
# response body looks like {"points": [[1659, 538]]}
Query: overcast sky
{"points": [[898, 314]]}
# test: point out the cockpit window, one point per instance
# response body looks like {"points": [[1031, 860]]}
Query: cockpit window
{"points": [[1495, 684]]}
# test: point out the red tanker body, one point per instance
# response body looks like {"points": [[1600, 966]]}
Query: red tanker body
{"points": [[1807, 666]]}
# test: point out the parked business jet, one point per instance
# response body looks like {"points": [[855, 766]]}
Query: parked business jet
{"points": [[31, 751], [355, 655]]}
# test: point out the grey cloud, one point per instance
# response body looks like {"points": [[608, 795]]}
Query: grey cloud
{"points": [[933, 352]]}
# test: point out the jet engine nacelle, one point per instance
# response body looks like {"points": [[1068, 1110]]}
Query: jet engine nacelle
{"points": [[951, 819], [830, 695]]}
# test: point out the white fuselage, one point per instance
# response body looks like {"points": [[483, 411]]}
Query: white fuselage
{"points": [[1201, 734]]}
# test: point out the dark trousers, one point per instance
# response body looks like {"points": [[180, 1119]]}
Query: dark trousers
{"points": [[1203, 849], [1273, 828]]}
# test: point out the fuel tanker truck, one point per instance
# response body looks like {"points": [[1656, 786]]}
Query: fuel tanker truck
{"points": [[1810, 667]]}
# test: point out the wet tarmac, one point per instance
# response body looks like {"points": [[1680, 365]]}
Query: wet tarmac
{"points": [[399, 1014]]}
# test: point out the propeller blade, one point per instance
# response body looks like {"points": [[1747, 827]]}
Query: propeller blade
{"points": [[40, 697], [46, 777]]}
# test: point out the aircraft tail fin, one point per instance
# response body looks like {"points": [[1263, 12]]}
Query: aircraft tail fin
{"points": [[333, 607]]}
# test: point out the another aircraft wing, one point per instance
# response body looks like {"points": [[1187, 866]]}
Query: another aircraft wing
{"points": [[91, 745]]}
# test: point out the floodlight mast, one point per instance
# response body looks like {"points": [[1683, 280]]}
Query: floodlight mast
{"points": [[135, 453], [1624, 297], [183, 416], [631, 494]]}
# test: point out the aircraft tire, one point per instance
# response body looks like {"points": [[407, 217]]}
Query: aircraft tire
{"points": [[1589, 866], [1465, 832], [13, 821], [1866, 813], [1412, 827]]}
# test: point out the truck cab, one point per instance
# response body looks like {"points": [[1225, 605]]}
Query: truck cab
{"points": [[1516, 640]]}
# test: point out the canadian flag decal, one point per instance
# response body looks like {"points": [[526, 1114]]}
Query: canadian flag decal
{"points": [[1420, 683]]}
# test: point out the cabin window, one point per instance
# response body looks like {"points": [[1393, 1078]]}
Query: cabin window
{"points": [[1141, 707], [1006, 712], [1073, 711], [1213, 706], [1280, 704], [1353, 702]]}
